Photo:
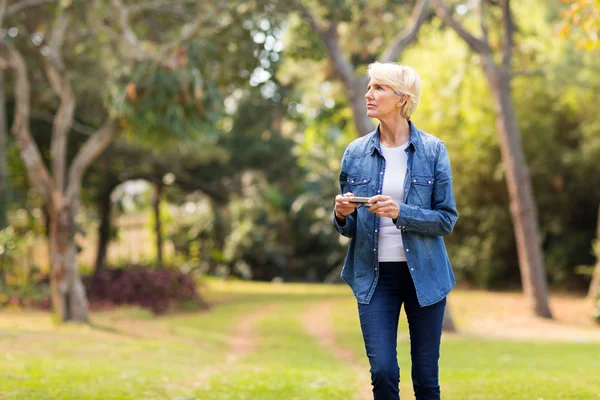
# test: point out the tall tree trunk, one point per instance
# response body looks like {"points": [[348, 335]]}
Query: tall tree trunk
{"points": [[522, 205], [594, 289], [105, 208], [356, 94], [157, 222], [68, 293]]}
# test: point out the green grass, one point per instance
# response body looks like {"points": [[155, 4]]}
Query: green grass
{"points": [[494, 369], [129, 354]]}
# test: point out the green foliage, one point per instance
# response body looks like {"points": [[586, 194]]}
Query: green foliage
{"points": [[173, 102], [14, 249], [581, 21], [560, 137]]}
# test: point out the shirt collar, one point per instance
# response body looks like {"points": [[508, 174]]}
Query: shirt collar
{"points": [[414, 140]]}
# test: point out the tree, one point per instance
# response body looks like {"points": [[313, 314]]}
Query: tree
{"points": [[60, 187], [522, 206], [355, 85], [582, 18]]}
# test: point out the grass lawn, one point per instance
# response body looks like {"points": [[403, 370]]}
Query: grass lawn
{"points": [[254, 344]]}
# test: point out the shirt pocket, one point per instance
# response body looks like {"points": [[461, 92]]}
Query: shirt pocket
{"points": [[359, 185], [421, 191]]}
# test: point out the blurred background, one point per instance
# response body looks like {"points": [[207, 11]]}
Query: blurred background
{"points": [[151, 149]]}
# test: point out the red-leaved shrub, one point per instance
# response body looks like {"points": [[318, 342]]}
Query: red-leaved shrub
{"points": [[157, 289]]}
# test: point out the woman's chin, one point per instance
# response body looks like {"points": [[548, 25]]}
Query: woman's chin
{"points": [[371, 114]]}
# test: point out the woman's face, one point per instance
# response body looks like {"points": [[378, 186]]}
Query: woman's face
{"points": [[382, 101]]}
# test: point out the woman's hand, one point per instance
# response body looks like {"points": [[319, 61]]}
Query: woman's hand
{"points": [[343, 207], [384, 206]]}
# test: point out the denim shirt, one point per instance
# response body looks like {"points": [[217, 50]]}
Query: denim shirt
{"points": [[427, 213]]}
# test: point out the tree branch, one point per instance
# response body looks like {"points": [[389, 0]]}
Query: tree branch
{"points": [[77, 127], [482, 23], [130, 38], [87, 154], [60, 83], [36, 169], [474, 43], [508, 35], [15, 8], [53, 62], [187, 31], [128, 35], [330, 39], [537, 72], [3, 6], [409, 33]]}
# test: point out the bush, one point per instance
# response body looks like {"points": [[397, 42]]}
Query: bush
{"points": [[157, 289], [35, 296]]}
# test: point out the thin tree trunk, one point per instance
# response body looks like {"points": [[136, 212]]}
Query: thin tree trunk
{"points": [[448, 323], [356, 94], [522, 205], [105, 208], [157, 222], [68, 293], [594, 290]]}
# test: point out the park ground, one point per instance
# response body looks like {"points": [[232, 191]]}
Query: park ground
{"points": [[294, 342]]}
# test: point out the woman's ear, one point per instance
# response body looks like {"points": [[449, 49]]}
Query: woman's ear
{"points": [[403, 100]]}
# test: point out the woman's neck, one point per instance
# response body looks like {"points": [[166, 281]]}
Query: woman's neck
{"points": [[394, 133]]}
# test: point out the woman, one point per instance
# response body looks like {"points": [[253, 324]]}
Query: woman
{"points": [[396, 254]]}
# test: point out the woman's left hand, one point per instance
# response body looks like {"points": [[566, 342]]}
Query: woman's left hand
{"points": [[384, 206]]}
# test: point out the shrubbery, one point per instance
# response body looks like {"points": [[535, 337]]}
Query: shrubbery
{"points": [[157, 289], [37, 296]]}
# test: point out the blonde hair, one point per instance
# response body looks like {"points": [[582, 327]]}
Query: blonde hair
{"points": [[402, 79]]}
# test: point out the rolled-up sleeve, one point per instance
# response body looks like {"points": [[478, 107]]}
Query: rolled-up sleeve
{"points": [[440, 220], [349, 227]]}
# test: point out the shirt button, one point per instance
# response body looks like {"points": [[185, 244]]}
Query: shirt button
{"points": [[407, 250], [381, 173], [412, 269], [414, 180], [365, 180], [375, 268], [429, 182], [374, 249], [375, 230], [377, 191]]}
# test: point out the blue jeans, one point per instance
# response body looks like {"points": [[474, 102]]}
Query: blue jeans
{"points": [[379, 323]]}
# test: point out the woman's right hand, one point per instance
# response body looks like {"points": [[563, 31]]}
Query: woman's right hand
{"points": [[343, 207]]}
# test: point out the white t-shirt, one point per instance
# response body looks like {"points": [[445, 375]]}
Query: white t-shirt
{"points": [[390, 237]]}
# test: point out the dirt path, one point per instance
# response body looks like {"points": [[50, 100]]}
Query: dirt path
{"points": [[244, 339], [242, 342], [318, 323], [507, 316]]}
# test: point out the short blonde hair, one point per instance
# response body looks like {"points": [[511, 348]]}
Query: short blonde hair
{"points": [[402, 79]]}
